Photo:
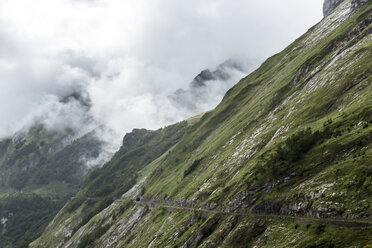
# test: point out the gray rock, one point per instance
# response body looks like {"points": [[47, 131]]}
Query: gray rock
{"points": [[355, 4], [329, 6]]}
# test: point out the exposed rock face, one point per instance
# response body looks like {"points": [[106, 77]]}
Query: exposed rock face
{"points": [[355, 4], [330, 5]]}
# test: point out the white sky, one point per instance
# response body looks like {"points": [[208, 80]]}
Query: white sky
{"points": [[127, 54]]}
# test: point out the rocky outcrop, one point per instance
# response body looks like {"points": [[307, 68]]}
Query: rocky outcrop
{"points": [[223, 73], [355, 4], [329, 6]]}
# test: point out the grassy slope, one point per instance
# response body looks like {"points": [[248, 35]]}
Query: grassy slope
{"points": [[253, 153]]}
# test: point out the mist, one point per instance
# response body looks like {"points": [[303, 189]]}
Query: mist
{"points": [[84, 64]]}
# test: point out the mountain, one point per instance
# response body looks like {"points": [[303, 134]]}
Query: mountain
{"points": [[223, 72], [208, 88], [40, 170], [42, 167], [285, 160], [30, 160]]}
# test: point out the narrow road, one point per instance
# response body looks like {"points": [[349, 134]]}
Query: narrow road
{"points": [[350, 223], [298, 219]]}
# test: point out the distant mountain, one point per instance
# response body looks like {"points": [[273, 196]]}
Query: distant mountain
{"points": [[285, 160], [208, 87], [40, 157], [222, 73], [40, 170]]}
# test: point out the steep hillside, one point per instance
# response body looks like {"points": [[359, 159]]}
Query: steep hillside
{"points": [[285, 160]]}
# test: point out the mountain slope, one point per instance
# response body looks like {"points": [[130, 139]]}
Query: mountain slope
{"points": [[284, 160], [39, 171]]}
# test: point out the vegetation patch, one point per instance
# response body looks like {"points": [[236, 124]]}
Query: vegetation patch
{"points": [[192, 167]]}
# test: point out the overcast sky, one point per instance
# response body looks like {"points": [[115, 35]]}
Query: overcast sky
{"points": [[124, 56]]}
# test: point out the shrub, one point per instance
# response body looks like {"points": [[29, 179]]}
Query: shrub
{"points": [[320, 229], [194, 165], [293, 149]]}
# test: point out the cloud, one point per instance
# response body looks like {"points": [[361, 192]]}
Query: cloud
{"points": [[118, 61]]}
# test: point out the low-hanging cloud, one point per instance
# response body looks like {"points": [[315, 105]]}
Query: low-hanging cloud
{"points": [[86, 63]]}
